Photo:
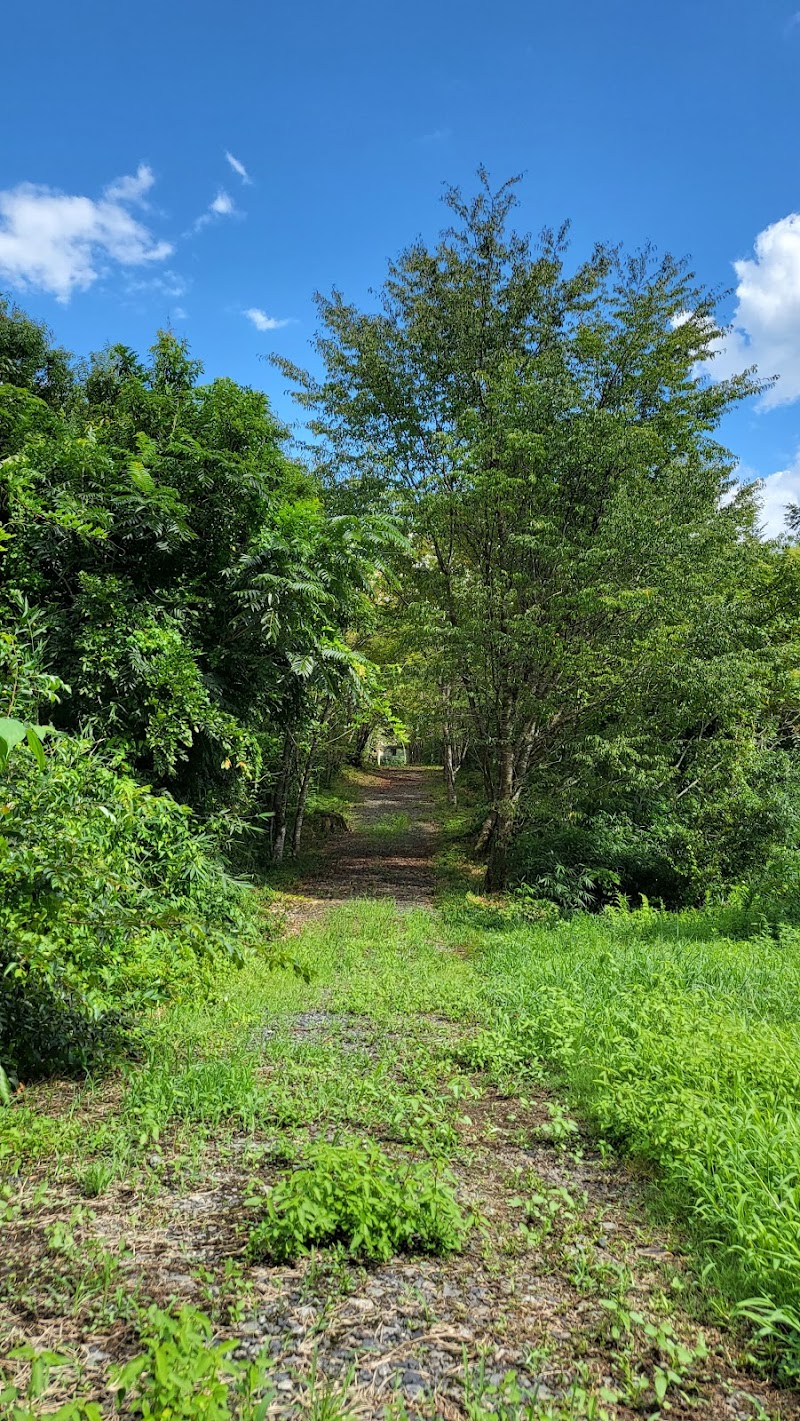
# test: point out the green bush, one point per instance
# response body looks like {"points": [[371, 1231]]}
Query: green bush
{"points": [[110, 901], [355, 1195]]}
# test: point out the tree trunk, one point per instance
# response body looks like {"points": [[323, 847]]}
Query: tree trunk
{"points": [[281, 800], [356, 757], [447, 747], [504, 809], [302, 798], [485, 835], [496, 879], [449, 771]]}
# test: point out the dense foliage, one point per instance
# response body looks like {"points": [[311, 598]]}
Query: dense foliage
{"points": [[111, 900], [177, 605], [678, 1036], [592, 609], [517, 544]]}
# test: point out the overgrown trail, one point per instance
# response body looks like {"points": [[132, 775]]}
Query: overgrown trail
{"points": [[388, 849], [566, 1301]]}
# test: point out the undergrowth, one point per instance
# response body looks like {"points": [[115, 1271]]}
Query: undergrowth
{"points": [[355, 1195], [681, 1044]]}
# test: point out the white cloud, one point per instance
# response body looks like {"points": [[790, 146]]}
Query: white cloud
{"points": [[223, 205], [263, 322], [132, 188], [167, 283], [180, 314], [52, 241], [777, 490], [766, 323], [239, 168]]}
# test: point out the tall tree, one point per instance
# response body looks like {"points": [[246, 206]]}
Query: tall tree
{"points": [[549, 443]]}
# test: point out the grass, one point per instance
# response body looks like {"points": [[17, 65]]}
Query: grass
{"points": [[681, 1045], [675, 1037], [239, 1084]]}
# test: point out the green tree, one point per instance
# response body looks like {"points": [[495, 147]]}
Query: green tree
{"points": [[547, 441]]}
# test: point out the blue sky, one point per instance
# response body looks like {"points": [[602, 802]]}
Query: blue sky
{"points": [[677, 124]]}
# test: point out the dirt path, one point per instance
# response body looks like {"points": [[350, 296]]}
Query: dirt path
{"points": [[388, 850]]}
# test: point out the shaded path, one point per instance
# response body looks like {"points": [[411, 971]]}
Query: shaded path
{"points": [[389, 849]]}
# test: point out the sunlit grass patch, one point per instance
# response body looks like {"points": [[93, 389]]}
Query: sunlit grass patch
{"points": [[683, 1047]]}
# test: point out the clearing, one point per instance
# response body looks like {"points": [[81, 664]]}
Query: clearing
{"points": [[567, 1300]]}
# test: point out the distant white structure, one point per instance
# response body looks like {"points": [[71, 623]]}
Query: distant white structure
{"points": [[390, 752]]}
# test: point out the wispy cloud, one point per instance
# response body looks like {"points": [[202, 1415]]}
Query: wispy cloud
{"points": [[263, 322], [239, 167], [772, 495], [777, 490], [437, 135], [166, 283], [60, 243], [766, 324], [222, 205], [132, 188]]}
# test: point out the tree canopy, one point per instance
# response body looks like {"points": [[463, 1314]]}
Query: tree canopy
{"points": [[515, 541], [545, 439]]}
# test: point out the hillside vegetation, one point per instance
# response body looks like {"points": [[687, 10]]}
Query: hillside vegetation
{"points": [[514, 547]]}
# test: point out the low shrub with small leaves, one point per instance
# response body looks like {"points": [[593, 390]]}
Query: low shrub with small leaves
{"points": [[354, 1195]]}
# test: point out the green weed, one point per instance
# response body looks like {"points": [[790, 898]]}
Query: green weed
{"points": [[183, 1373], [355, 1195], [16, 1397], [681, 1045]]}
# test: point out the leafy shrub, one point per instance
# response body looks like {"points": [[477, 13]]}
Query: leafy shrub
{"points": [[586, 866], [355, 1195], [110, 900], [520, 906]]}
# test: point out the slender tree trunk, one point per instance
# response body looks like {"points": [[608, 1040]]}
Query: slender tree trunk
{"points": [[504, 811], [281, 800], [447, 748], [449, 771], [497, 863], [363, 733], [302, 799]]}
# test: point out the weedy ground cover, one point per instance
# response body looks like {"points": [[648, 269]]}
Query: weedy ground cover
{"points": [[242, 1083], [354, 1194], [680, 1042], [338, 1123]]}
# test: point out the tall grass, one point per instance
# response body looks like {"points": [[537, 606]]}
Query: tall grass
{"points": [[682, 1044]]}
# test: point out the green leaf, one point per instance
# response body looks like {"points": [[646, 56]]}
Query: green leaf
{"points": [[32, 737], [11, 733]]}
